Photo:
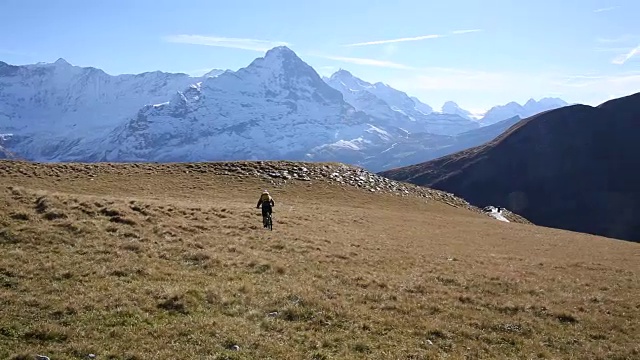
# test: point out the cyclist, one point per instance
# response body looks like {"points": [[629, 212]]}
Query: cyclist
{"points": [[267, 206]]}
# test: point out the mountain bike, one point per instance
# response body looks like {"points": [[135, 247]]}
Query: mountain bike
{"points": [[268, 221]]}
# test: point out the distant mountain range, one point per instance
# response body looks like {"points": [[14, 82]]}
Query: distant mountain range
{"points": [[384, 102], [276, 107], [452, 108], [530, 108], [574, 168]]}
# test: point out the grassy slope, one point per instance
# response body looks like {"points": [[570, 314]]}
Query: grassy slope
{"points": [[174, 265]]}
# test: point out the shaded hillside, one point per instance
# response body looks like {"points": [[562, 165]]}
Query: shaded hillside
{"points": [[422, 147], [573, 168], [169, 261]]}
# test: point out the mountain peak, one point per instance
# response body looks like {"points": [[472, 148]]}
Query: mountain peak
{"points": [[61, 62], [213, 73], [341, 73], [530, 108], [279, 73], [280, 62], [279, 57], [280, 51], [348, 80], [546, 101], [451, 107], [553, 100]]}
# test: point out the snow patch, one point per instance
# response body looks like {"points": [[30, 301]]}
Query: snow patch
{"points": [[421, 112], [496, 213], [391, 148], [348, 144], [396, 109], [161, 104], [377, 130]]}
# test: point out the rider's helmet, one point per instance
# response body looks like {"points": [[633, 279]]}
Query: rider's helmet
{"points": [[265, 191]]}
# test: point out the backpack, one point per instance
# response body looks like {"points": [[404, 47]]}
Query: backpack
{"points": [[265, 198]]}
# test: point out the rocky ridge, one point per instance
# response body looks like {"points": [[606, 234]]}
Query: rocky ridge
{"points": [[276, 173]]}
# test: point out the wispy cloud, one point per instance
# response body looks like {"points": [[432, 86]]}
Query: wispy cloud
{"points": [[378, 42], [475, 81], [620, 84], [227, 42], [617, 39], [611, 49], [623, 58], [458, 32], [606, 9], [414, 38], [368, 62], [475, 88], [445, 79]]}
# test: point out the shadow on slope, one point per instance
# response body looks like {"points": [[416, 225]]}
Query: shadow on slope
{"points": [[573, 168]]}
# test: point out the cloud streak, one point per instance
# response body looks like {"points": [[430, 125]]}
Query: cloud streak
{"points": [[367, 62], [623, 58], [226, 42], [414, 38], [611, 49], [487, 88], [378, 42], [606, 9], [459, 32], [613, 40]]}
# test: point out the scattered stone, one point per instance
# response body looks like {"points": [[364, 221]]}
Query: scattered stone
{"points": [[277, 173]]}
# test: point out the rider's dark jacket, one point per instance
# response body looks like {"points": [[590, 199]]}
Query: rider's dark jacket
{"points": [[267, 203]]}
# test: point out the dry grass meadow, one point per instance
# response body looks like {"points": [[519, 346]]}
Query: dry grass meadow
{"points": [[154, 262]]}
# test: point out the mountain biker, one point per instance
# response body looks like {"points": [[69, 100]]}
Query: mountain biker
{"points": [[267, 206]]}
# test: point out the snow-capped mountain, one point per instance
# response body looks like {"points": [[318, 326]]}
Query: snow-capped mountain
{"points": [[52, 108], [214, 73], [277, 107], [382, 101], [354, 92], [420, 106], [452, 108], [530, 108]]}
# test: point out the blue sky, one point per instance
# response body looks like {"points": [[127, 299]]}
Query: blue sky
{"points": [[477, 52]]}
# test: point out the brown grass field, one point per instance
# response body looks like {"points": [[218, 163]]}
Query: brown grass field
{"points": [[161, 263]]}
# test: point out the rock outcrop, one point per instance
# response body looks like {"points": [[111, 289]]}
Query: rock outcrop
{"points": [[277, 173]]}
